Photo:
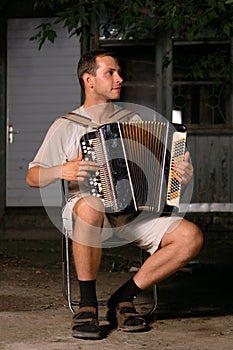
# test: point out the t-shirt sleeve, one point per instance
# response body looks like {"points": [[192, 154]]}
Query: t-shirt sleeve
{"points": [[55, 149]]}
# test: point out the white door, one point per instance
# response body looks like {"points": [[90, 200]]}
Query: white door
{"points": [[41, 85]]}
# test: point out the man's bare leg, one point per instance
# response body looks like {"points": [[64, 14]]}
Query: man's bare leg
{"points": [[87, 257], [176, 249], [87, 238]]}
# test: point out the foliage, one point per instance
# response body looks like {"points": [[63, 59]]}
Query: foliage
{"points": [[206, 64], [192, 19], [137, 19], [140, 19]]}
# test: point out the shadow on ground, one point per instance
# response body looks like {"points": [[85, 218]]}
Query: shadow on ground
{"points": [[31, 279]]}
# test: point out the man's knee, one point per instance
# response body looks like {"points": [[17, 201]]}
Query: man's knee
{"points": [[186, 238], [89, 209], [191, 239], [89, 203]]}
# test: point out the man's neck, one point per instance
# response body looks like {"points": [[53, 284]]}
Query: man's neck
{"points": [[100, 112]]}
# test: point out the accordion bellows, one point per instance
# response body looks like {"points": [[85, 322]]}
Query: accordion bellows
{"points": [[136, 165]]}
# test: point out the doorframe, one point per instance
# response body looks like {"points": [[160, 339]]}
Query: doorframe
{"points": [[3, 73]]}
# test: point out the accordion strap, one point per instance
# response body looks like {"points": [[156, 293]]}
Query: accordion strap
{"points": [[87, 122], [121, 114], [81, 119]]}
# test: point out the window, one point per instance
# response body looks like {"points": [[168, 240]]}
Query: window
{"points": [[201, 82]]}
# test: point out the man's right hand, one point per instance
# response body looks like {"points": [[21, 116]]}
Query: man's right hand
{"points": [[78, 169]]}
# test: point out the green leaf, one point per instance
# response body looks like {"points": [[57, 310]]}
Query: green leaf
{"points": [[51, 35]]}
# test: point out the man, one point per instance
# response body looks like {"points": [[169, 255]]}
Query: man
{"points": [[171, 241]]}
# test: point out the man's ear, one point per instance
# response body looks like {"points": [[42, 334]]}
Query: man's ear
{"points": [[88, 80]]}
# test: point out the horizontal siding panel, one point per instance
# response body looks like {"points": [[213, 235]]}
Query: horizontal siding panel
{"points": [[56, 80], [19, 143], [32, 126], [20, 37], [41, 61], [43, 70], [27, 26], [50, 197], [19, 167], [24, 137], [50, 191], [27, 92], [46, 98], [51, 111]]}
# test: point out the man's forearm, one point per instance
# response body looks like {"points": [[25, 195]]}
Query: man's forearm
{"points": [[40, 177]]}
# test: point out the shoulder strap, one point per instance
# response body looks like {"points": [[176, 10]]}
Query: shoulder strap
{"points": [[121, 114], [81, 119], [85, 121]]}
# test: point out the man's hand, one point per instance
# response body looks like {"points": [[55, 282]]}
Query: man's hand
{"points": [[184, 170], [78, 169]]}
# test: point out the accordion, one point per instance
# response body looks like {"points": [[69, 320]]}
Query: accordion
{"points": [[136, 165]]}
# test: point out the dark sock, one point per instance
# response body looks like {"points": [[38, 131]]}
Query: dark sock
{"points": [[126, 292], [88, 293]]}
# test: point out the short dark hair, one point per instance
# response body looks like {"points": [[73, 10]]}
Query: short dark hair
{"points": [[87, 63]]}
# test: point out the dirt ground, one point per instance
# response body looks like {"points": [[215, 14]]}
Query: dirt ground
{"points": [[194, 311]]}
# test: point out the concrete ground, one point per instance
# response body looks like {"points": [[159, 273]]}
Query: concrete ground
{"points": [[195, 309]]}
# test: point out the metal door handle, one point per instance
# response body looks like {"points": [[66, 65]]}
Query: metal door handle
{"points": [[11, 133]]}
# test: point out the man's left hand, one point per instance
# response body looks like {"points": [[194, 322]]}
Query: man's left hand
{"points": [[184, 170]]}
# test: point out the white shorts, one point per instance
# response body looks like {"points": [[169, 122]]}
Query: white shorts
{"points": [[145, 230]]}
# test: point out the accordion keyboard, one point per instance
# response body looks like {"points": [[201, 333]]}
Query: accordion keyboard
{"points": [[177, 155]]}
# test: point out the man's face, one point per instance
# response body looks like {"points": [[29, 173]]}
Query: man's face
{"points": [[107, 81]]}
